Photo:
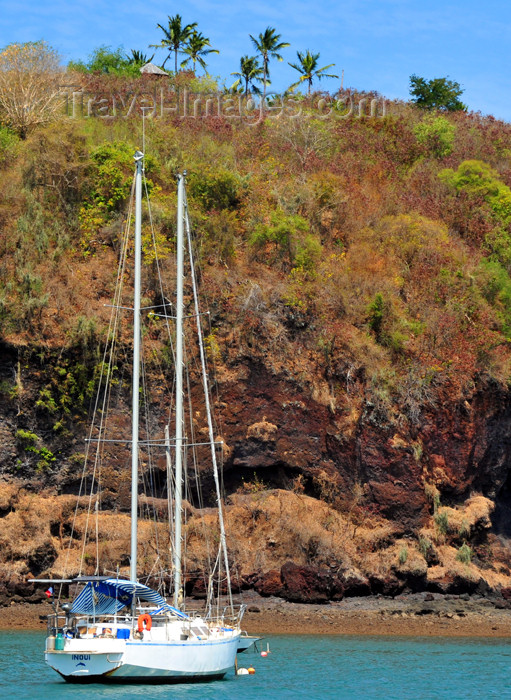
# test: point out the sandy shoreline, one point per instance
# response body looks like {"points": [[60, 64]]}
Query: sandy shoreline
{"points": [[413, 615]]}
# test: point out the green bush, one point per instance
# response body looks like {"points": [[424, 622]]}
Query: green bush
{"points": [[403, 555], [478, 179], [286, 236], [218, 189], [8, 145], [424, 546], [109, 61], [495, 285], [436, 134], [442, 522], [464, 554], [378, 312]]}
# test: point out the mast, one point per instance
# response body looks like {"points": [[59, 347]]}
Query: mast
{"points": [[179, 393], [139, 160]]}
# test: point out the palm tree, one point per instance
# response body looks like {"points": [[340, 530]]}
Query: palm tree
{"points": [[176, 36], [268, 45], [308, 67], [196, 50], [250, 71], [138, 58]]}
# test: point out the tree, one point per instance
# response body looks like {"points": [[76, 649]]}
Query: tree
{"points": [[250, 72], [308, 67], [196, 49], [268, 45], [106, 60], [438, 93], [30, 81], [138, 58], [176, 37]]}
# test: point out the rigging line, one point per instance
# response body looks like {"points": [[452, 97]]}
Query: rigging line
{"points": [[208, 408], [94, 412], [198, 482], [160, 285], [105, 375], [151, 485]]}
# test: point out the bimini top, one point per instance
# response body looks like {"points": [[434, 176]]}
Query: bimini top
{"points": [[106, 596]]}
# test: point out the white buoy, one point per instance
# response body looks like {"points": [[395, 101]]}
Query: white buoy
{"points": [[242, 672]]}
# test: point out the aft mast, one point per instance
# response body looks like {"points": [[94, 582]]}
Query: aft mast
{"points": [[139, 160]]}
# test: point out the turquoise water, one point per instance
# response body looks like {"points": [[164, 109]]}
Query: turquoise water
{"points": [[299, 666]]}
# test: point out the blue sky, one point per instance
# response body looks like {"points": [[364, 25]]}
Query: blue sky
{"points": [[378, 44]]}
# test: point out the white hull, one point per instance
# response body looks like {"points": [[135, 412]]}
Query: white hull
{"points": [[165, 661]]}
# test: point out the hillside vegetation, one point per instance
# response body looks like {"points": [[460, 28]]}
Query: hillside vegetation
{"points": [[358, 273]]}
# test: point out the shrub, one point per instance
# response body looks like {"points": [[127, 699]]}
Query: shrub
{"points": [[215, 190], [26, 438], [480, 180], [436, 134], [110, 178], [424, 546], [8, 144], [464, 554], [403, 555], [376, 311], [283, 236], [104, 59], [442, 523]]}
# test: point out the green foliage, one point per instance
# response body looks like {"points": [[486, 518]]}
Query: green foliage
{"points": [[377, 310], [480, 181], [308, 67], [464, 554], [425, 546], [28, 441], [403, 555], [308, 253], [113, 174], [287, 237], [110, 178], [441, 520], [26, 438], [71, 386], [438, 93], [436, 134], [9, 143], [250, 72], [495, 285], [215, 189], [268, 44], [105, 60], [176, 36]]}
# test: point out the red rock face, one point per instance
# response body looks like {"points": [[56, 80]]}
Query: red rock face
{"points": [[458, 448]]}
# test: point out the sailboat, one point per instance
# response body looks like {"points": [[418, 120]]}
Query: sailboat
{"points": [[119, 629]]}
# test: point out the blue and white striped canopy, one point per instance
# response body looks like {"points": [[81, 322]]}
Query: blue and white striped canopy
{"points": [[108, 596]]}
